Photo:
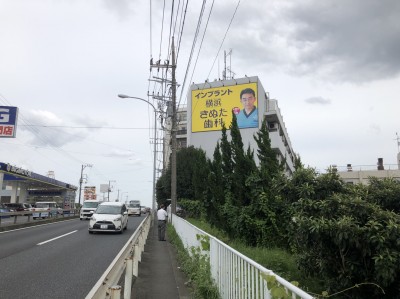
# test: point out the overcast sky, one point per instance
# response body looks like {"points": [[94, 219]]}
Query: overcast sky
{"points": [[332, 65]]}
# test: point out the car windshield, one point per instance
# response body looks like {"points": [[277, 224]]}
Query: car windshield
{"points": [[105, 209], [42, 205], [134, 205], [90, 204]]}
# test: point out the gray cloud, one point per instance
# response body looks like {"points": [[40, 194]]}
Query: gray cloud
{"points": [[318, 100], [47, 129], [351, 40], [121, 7], [345, 41]]}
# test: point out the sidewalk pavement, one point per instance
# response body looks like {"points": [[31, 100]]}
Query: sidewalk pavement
{"points": [[158, 275]]}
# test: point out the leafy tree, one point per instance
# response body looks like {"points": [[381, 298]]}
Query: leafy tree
{"points": [[163, 187], [347, 241], [191, 171], [328, 184], [384, 192]]}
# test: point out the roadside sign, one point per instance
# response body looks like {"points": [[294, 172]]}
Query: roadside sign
{"points": [[8, 121]]}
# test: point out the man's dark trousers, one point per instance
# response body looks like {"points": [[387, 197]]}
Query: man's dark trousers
{"points": [[161, 230]]}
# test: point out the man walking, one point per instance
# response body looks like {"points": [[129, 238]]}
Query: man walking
{"points": [[162, 222]]}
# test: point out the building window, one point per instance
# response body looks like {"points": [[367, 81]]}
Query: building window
{"points": [[182, 117], [181, 143]]}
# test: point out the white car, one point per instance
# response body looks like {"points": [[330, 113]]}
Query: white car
{"points": [[88, 208], [134, 208], [109, 217]]}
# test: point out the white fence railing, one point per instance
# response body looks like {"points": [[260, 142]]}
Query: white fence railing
{"points": [[235, 275], [126, 262]]}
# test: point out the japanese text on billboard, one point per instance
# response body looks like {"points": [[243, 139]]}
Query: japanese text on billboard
{"points": [[8, 121], [213, 107]]}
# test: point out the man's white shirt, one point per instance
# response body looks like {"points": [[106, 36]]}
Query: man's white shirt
{"points": [[162, 214]]}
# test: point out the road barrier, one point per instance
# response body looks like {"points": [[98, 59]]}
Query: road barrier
{"points": [[13, 219], [235, 275], [127, 262]]}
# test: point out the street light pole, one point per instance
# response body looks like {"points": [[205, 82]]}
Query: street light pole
{"points": [[123, 96], [122, 196]]}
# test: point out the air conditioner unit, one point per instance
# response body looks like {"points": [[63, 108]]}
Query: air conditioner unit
{"points": [[273, 125]]}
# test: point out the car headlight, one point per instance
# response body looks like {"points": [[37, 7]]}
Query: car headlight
{"points": [[118, 219], [92, 218]]}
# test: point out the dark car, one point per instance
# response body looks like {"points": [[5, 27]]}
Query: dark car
{"points": [[18, 207]]}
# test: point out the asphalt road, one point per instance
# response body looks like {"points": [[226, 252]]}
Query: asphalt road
{"points": [[57, 260]]}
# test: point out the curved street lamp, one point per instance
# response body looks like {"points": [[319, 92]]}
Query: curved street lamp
{"points": [[122, 196], [123, 96]]}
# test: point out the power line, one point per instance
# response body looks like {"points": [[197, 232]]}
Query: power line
{"points": [[198, 54], [74, 127], [226, 33]]}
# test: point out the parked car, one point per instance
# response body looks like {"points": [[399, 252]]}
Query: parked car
{"points": [[109, 217], [45, 209], [18, 207], [4, 209]]}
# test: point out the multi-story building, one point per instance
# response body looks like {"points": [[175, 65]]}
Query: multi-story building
{"points": [[181, 134], [360, 174], [211, 104]]}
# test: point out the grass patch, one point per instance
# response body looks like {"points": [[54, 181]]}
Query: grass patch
{"points": [[279, 261], [196, 268]]}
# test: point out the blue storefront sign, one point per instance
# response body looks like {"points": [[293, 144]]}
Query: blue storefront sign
{"points": [[8, 121]]}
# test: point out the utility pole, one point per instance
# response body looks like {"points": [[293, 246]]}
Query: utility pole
{"points": [[109, 189], [81, 181], [161, 98], [173, 134]]}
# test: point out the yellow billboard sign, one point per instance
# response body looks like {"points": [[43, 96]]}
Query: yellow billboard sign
{"points": [[213, 107]]}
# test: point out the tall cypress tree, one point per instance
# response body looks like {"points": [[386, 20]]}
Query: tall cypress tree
{"points": [[243, 165], [269, 165], [226, 160], [215, 198]]}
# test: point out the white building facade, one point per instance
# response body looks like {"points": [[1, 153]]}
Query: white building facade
{"points": [[211, 104], [360, 174]]}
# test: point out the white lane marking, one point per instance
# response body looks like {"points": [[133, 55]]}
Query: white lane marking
{"points": [[44, 242], [33, 226]]}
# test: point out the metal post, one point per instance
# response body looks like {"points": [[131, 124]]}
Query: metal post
{"points": [[109, 189], [123, 96], [80, 187], [173, 135], [81, 181], [154, 161]]}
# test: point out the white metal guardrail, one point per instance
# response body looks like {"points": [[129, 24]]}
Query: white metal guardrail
{"points": [[26, 216], [235, 275], [125, 262]]}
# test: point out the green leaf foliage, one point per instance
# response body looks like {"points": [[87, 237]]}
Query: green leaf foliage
{"points": [[347, 241], [345, 235]]}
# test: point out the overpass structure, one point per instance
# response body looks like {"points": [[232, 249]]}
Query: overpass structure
{"points": [[21, 185]]}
